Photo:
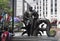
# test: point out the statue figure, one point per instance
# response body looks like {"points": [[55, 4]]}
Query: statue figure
{"points": [[29, 18]]}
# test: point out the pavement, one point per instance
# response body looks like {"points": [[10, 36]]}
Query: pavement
{"points": [[33, 38], [18, 37]]}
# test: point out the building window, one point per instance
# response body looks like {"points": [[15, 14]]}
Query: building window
{"points": [[46, 0], [40, 1], [40, 10], [55, 3], [46, 8], [56, 0], [35, 7], [43, 4], [40, 4], [51, 6], [43, 0], [46, 12], [55, 10], [33, 0], [40, 7], [37, 3], [51, 10], [37, 11], [43, 9], [51, 2], [51, 13], [43, 12], [55, 6], [40, 14]]}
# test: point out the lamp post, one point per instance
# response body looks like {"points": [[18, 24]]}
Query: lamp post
{"points": [[12, 15]]}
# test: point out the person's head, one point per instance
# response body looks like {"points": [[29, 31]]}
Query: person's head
{"points": [[30, 8], [6, 29]]}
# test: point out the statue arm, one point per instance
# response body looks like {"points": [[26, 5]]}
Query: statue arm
{"points": [[35, 14], [25, 15]]}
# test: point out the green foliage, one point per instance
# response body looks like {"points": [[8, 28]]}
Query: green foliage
{"points": [[20, 24], [9, 10], [4, 3], [52, 32]]}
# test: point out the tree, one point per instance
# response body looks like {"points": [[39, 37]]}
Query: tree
{"points": [[4, 4], [4, 7]]}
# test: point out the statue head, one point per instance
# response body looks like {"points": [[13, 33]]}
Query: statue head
{"points": [[30, 8]]}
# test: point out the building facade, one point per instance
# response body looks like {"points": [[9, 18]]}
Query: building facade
{"points": [[45, 8], [49, 9]]}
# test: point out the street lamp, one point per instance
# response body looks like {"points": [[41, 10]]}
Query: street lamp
{"points": [[12, 15]]}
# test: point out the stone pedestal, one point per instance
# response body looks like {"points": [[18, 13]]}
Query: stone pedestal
{"points": [[41, 38]]}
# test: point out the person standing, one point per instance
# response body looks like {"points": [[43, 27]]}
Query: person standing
{"points": [[0, 33], [5, 35]]}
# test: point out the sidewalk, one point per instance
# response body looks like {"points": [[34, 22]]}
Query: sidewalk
{"points": [[18, 37], [58, 35]]}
